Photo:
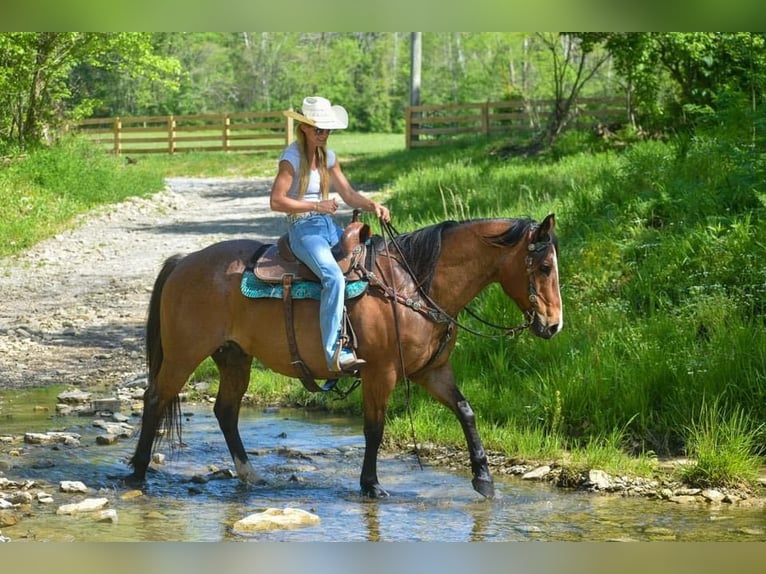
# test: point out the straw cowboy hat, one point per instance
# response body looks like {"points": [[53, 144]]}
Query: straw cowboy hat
{"points": [[318, 112]]}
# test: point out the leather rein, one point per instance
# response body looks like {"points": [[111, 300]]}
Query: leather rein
{"points": [[433, 311]]}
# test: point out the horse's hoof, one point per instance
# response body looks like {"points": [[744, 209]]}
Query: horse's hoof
{"points": [[133, 480], [375, 491], [484, 487]]}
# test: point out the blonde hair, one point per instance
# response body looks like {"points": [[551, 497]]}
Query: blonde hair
{"points": [[305, 166]]}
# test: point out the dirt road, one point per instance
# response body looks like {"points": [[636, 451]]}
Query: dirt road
{"points": [[73, 307]]}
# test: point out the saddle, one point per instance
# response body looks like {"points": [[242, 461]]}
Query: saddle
{"points": [[277, 264], [278, 260]]}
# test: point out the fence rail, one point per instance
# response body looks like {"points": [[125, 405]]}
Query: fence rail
{"points": [[428, 125], [431, 125], [245, 131]]}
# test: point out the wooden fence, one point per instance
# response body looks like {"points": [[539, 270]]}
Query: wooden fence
{"points": [[435, 124], [247, 131]]}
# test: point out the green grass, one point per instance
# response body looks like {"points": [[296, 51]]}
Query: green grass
{"points": [[721, 446]]}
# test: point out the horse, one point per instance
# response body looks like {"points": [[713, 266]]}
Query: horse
{"points": [[404, 323]]}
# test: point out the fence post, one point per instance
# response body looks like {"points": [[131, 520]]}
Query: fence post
{"points": [[226, 131], [408, 128], [485, 118], [171, 134], [289, 129], [117, 136]]}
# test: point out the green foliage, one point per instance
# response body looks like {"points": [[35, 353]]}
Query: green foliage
{"points": [[721, 443], [45, 190]]}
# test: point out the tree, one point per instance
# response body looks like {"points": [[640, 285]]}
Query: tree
{"points": [[574, 64], [37, 92]]}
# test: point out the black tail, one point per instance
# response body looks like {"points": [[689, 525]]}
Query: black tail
{"points": [[171, 419]]}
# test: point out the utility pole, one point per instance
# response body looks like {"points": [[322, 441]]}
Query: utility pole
{"points": [[416, 59]]}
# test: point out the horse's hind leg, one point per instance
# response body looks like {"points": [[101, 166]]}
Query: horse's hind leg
{"points": [[160, 406], [234, 366], [440, 383]]}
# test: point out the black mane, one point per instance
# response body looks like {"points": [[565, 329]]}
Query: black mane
{"points": [[421, 248]]}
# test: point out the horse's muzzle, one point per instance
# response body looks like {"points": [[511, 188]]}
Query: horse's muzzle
{"points": [[545, 330]]}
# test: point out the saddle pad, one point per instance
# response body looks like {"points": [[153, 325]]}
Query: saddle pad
{"points": [[254, 288]]}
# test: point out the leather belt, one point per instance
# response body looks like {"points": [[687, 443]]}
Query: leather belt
{"points": [[293, 217]]}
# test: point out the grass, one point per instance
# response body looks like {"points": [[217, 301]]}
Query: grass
{"points": [[663, 285], [721, 443]]}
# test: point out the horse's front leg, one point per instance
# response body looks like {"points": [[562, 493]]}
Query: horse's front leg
{"points": [[440, 383], [375, 394]]}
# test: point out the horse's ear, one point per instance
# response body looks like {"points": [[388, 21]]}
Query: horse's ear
{"points": [[545, 228]]}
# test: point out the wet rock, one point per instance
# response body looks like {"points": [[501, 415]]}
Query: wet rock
{"points": [[683, 499], [131, 494], [158, 458], [276, 519], [121, 430], [75, 396], [72, 486], [712, 495], [537, 474], [109, 515], [20, 497], [106, 439], [87, 505], [598, 479], [8, 517], [44, 498], [111, 405], [69, 439]]}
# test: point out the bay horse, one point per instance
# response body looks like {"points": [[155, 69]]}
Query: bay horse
{"points": [[404, 325]]}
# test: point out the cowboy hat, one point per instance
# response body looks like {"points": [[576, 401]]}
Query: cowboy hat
{"points": [[318, 112]]}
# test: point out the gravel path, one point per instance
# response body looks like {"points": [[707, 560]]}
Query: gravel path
{"points": [[73, 307]]}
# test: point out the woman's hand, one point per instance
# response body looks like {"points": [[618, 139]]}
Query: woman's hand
{"points": [[328, 206], [381, 212]]}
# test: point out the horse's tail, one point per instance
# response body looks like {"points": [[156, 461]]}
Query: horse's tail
{"points": [[171, 419]]}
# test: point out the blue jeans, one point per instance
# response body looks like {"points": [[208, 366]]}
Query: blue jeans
{"points": [[312, 239]]}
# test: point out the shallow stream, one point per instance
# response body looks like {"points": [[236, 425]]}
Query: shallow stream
{"points": [[312, 461]]}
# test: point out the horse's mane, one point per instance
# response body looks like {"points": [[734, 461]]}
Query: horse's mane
{"points": [[421, 248]]}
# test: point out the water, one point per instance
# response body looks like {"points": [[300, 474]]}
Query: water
{"points": [[312, 461]]}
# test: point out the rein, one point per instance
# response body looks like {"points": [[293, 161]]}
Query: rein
{"points": [[435, 313]]}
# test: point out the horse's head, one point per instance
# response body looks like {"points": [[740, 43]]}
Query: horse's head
{"points": [[541, 301]]}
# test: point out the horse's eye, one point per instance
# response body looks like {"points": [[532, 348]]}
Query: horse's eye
{"points": [[546, 268]]}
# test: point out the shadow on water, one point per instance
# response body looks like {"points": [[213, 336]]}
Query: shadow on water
{"points": [[312, 461]]}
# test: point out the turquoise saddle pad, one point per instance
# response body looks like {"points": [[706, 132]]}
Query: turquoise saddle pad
{"points": [[254, 288]]}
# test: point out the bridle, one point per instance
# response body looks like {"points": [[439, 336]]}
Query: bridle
{"points": [[434, 312]]}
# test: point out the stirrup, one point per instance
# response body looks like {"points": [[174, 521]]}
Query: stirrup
{"points": [[349, 365]]}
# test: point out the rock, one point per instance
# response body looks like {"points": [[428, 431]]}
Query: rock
{"points": [[276, 519], [112, 405], [72, 486], [44, 498], [76, 396], [87, 505], [122, 430], [598, 479], [683, 499], [537, 474], [20, 497], [712, 495], [131, 494], [8, 518], [109, 515], [106, 439], [158, 458], [69, 439]]}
